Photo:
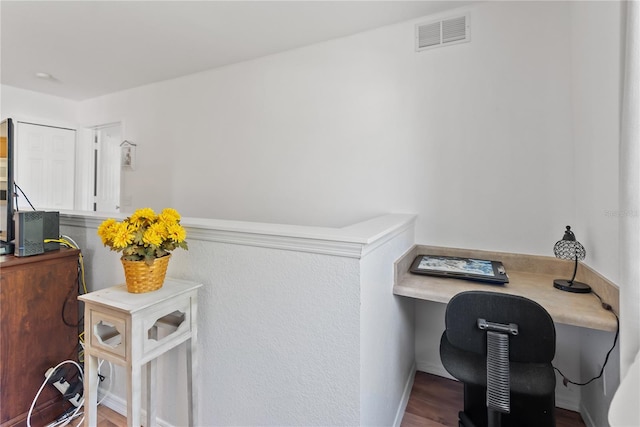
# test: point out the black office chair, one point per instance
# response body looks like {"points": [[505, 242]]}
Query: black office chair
{"points": [[501, 347]]}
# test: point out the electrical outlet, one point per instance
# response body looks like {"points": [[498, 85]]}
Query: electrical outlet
{"points": [[63, 387]]}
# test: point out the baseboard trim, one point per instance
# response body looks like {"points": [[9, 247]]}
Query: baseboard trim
{"points": [[586, 417], [430, 368], [563, 400], [406, 393], [119, 405], [567, 401]]}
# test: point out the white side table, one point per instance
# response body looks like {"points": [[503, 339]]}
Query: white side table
{"points": [[133, 330]]}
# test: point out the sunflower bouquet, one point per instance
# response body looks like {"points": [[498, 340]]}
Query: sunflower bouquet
{"points": [[144, 235]]}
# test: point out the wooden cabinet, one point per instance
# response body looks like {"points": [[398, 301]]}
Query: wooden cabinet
{"points": [[38, 330]]}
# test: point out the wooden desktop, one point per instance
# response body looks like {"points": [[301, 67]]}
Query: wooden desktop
{"points": [[530, 276]]}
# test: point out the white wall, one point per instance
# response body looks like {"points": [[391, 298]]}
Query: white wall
{"points": [[470, 137], [596, 49], [596, 58], [41, 108], [387, 355]]}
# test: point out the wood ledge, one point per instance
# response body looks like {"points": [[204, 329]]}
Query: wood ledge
{"points": [[530, 276]]}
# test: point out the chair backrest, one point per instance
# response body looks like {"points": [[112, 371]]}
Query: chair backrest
{"points": [[536, 338]]}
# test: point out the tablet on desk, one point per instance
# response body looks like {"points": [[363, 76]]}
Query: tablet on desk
{"points": [[460, 268]]}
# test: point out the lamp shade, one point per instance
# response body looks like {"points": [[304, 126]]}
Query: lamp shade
{"points": [[570, 249]]}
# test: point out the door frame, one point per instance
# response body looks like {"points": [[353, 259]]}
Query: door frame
{"points": [[95, 159]]}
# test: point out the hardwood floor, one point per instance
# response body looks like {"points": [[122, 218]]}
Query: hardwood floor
{"points": [[434, 402], [110, 418]]}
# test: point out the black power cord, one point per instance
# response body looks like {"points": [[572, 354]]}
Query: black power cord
{"points": [[67, 298], [17, 187], [607, 307]]}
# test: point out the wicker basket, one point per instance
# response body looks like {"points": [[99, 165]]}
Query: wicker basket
{"points": [[141, 277]]}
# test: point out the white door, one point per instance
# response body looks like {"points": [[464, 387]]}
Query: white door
{"points": [[45, 166], [107, 176]]}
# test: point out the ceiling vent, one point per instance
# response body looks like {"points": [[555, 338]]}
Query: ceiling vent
{"points": [[442, 33]]}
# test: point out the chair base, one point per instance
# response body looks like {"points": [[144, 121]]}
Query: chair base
{"points": [[526, 411], [464, 420]]}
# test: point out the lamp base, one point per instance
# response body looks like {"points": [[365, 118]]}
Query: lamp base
{"points": [[575, 287]]}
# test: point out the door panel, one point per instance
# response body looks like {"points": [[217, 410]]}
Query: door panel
{"points": [[107, 197], [45, 166]]}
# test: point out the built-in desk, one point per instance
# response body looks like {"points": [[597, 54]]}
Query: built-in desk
{"points": [[530, 276]]}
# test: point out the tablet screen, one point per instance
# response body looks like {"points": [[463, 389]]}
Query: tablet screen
{"points": [[478, 267]]}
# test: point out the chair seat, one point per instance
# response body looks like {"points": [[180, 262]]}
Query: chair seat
{"points": [[535, 379]]}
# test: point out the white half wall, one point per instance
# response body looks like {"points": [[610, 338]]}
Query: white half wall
{"points": [[387, 354], [286, 321]]}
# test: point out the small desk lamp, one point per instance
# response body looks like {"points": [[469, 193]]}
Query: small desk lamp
{"points": [[570, 248]]}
